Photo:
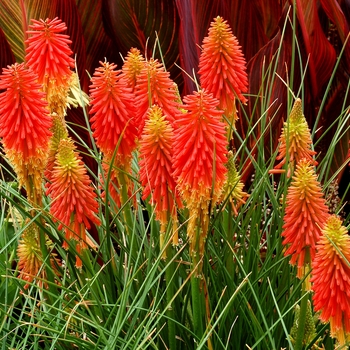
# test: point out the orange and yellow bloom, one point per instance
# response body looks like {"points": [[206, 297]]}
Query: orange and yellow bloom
{"points": [[200, 149], [48, 52], [295, 140], [112, 113], [30, 264], [222, 67], [305, 216], [156, 153], [331, 278], [132, 67], [74, 203], [24, 126], [154, 86], [48, 55]]}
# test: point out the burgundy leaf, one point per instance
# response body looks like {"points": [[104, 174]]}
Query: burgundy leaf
{"points": [[99, 46], [321, 53], [133, 23], [6, 55]]}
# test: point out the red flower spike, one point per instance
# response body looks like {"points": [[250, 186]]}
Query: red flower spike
{"points": [[24, 123], [156, 167], [331, 279], [306, 214], [74, 202], [295, 140], [24, 119], [113, 113], [222, 66], [200, 149], [48, 52], [154, 86], [133, 64]]}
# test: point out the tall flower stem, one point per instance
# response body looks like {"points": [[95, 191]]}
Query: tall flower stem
{"points": [[196, 305], [302, 318], [170, 288], [197, 297]]}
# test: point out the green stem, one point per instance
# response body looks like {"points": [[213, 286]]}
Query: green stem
{"points": [[195, 288], [169, 275], [302, 320], [196, 305], [125, 202]]}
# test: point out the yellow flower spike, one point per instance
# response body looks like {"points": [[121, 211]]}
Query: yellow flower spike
{"points": [[132, 67], [30, 263], [74, 203], [295, 141], [234, 186]]}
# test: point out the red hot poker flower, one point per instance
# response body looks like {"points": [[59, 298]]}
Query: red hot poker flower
{"points": [[113, 113], [156, 167], [222, 66], [31, 261], [133, 64], [154, 86], [74, 202], [306, 214], [200, 149], [295, 140], [24, 123], [331, 278], [48, 52]]}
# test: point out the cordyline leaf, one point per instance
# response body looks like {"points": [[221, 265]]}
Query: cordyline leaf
{"points": [[260, 74], [134, 23], [98, 45], [6, 55], [11, 22], [340, 20], [321, 53], [254, 19]]}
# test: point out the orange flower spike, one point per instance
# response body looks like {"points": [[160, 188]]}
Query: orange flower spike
{"points": [[200, 136], [200, 149], [74, 202], [156, 167], [154, 86], [331, 278], [133, 64], [305, 215], [222, 66], [112, 112], [24, 124], [24, 119], [295, 140], [48, 52]]}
